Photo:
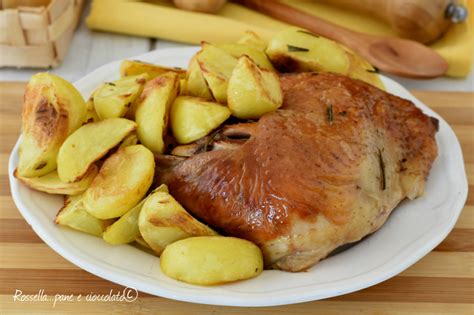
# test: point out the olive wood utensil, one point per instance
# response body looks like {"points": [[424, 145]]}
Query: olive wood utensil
{"points": [[398, 56]]}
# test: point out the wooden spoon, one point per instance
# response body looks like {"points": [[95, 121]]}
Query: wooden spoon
{"points": [[393, 55]]}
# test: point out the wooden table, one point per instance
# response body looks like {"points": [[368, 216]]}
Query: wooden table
{"points": [[442, 282]]}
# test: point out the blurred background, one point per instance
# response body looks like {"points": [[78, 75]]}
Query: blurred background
{"points": [[73, 37]]}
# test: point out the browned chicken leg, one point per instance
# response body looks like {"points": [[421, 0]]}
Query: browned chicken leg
{"points": [[325, 170]]}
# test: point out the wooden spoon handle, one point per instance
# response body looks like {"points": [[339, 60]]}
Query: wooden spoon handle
{"points": [[310, 22], [420, 20]]}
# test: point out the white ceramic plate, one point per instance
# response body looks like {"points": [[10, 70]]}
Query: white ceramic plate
{"points": [[411, 232]]}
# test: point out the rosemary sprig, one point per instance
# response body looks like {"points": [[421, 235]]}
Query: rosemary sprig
{"points": [[210, 140], [330, 114], [383, 183], [140, 61], [309, 33], [296, 49], [374, 70]]}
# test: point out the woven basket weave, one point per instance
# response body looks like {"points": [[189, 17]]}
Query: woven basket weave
{"points": [[36, 33]]}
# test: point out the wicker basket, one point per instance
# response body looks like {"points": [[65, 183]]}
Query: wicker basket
{"points": [[36, 33]]}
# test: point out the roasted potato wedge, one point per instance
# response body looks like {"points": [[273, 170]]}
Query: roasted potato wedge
{"points": [[52, 110], [88, 144], [196, 85], [183, 87], [135, 67], [298, 50], [163, 221], [361, 69], [239, 50], [193, 118], [75, 216], [51, 184], [216, 66], [91, 115], [125, 230], [253, 40], [153, 109], [209, 260], [253, 92], [131, 139], [123, 180], [113, 99]]}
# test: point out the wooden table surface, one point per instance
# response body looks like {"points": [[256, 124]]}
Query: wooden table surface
{"points": [[442, 282]]}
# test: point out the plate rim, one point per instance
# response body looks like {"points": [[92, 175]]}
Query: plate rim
{"points": [[236, 301]]}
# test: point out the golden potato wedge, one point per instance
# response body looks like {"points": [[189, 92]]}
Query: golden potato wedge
{"points": [[125, 230], [253, 92], [216, 67], [163, 221], [52, 110], [88, 144], [361, 69], [182, 87], [192, 118], [129, 140], [239, 50], [75, 216], [161, 188], [153, 109], [253, 40], [51, 184], [297, 50], [123, 180], [135, 67], [196, 85], [113, 99], [91, 115], [208, 260]]}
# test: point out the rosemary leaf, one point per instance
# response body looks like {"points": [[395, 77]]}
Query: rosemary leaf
{"points": [[383, 183], [295, 49], [309, 33], [330, 114], [212, 137], [374, 70], [140, 61]]}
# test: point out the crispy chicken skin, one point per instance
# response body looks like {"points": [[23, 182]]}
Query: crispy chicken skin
{"points": [[324, 170]]}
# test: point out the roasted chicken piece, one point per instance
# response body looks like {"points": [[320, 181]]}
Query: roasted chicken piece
{"points": [[325, 170]]}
